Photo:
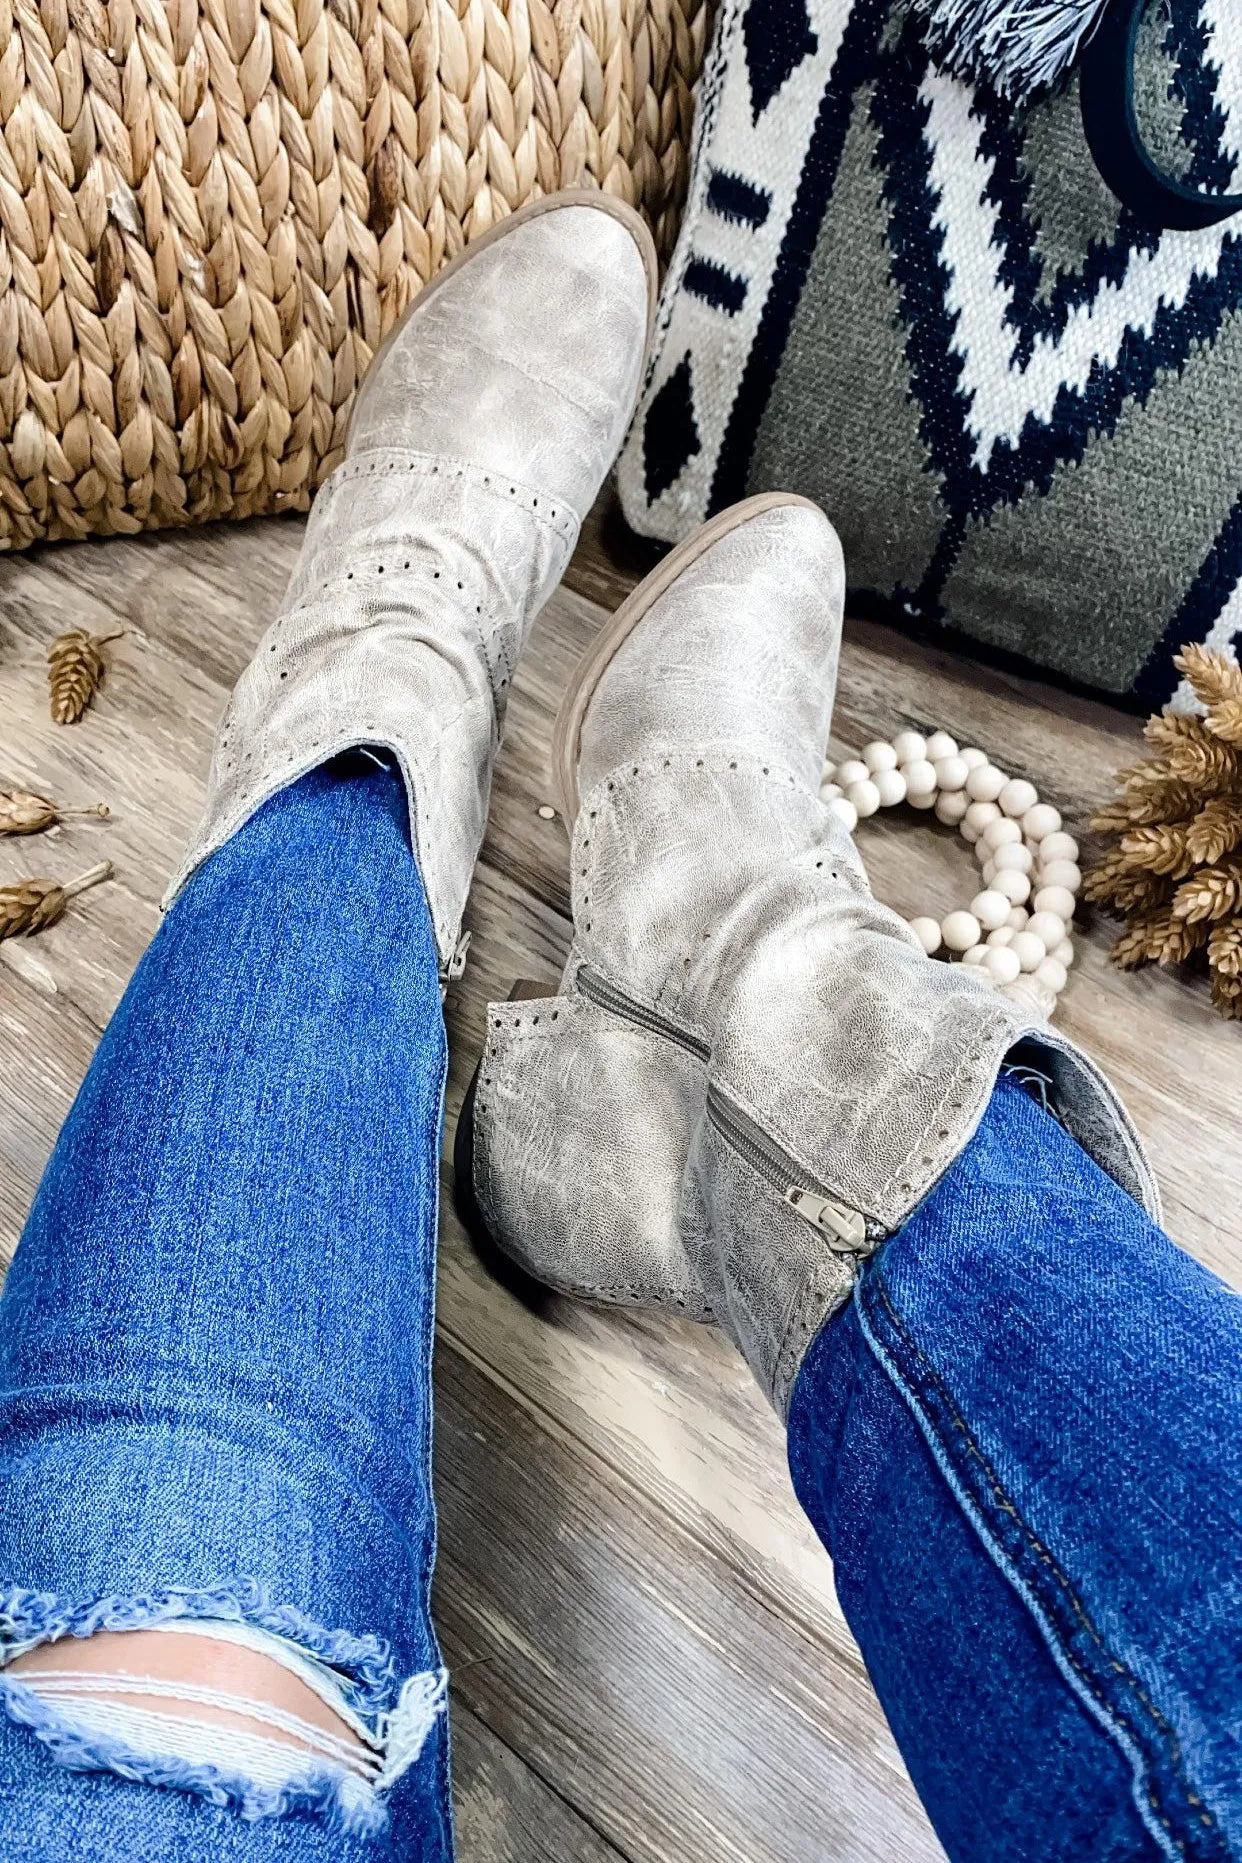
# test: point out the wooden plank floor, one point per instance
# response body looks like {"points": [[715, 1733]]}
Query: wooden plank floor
{"points": [[648, 1659]]}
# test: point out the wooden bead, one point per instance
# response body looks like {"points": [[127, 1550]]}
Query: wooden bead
{"points": [[1015, 886], [979, 814], [927, 931], [1025, 952], [1017, 797], [985, 783], [1001, 833], [1002, 964], [1061, 873], [1029, 950], [960, 931], [1040, 821], [1056, 899], [1015, 857], [951, 773], [1049, 927], [1058, 847], [920, 779], [991, 909]]}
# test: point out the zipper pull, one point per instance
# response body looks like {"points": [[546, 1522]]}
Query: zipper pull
{"points": [[452, 970], [846, 1229]]}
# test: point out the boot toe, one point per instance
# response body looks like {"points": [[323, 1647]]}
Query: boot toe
{"points": [[740, 648], [525, 358]]}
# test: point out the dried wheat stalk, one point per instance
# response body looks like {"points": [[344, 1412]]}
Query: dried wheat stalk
{"points": [[22, 812], [30, 906], [1213, 893], [1227, 995], [1159, 850], [1113, 883], [1216, 830], [1225, 948], [75, 670], [1174, 869], [1145, 802], [1215, 678]]}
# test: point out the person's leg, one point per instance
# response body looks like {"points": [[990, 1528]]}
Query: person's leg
{"points": [[215, 1355], [1021, 1443]]}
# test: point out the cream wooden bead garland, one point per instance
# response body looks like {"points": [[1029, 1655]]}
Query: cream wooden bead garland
{"points": [[1017, 929]]}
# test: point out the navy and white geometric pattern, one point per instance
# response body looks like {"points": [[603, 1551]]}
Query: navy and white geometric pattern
{"points": [[1065, 374]]}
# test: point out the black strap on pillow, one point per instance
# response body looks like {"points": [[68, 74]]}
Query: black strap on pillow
{"points": [[1110, 120]]}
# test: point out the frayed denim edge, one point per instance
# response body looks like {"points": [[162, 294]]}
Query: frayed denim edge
{"points": [[28, 1618], [347, 1804]]}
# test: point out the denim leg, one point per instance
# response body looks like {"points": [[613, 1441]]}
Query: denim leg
{"points": [[1022, 1445], [215, 1339]]}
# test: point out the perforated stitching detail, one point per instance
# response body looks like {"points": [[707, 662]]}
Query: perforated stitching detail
{"points": [[548, 512]]}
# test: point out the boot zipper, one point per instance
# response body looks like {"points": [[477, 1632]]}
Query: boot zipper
{"points": [[847, 1230], [599, 991], [455, 964]]}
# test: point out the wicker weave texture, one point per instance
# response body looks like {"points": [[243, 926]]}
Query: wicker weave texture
{"points": [[211, 212]]}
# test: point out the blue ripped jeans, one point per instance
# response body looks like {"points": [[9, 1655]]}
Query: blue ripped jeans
{"points": [[1020, 1441], [215, 1339]]}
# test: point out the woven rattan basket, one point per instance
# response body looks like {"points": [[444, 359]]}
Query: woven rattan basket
{"points": [[211, 211]]}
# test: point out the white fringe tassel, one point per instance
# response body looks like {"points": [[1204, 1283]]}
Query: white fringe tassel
{"points": [[1017, 46]]}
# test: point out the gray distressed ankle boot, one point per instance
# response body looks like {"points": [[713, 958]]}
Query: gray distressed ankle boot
{"points": [[725, 935], [481, 435], [703, 775]]}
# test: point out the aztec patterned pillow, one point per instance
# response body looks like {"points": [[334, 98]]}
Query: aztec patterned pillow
{"points": [[916, 299]]}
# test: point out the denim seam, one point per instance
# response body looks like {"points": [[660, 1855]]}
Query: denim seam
{"points": [[909, 1376]]}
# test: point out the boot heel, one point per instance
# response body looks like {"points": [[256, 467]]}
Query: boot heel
{"points": [[524, 991], [496, 1262]]}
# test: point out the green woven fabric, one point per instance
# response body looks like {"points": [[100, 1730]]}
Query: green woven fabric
{"points": [[922, 306]]}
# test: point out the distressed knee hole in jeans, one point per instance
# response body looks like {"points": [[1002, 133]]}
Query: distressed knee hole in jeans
{"points": [[220, 1694]]}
